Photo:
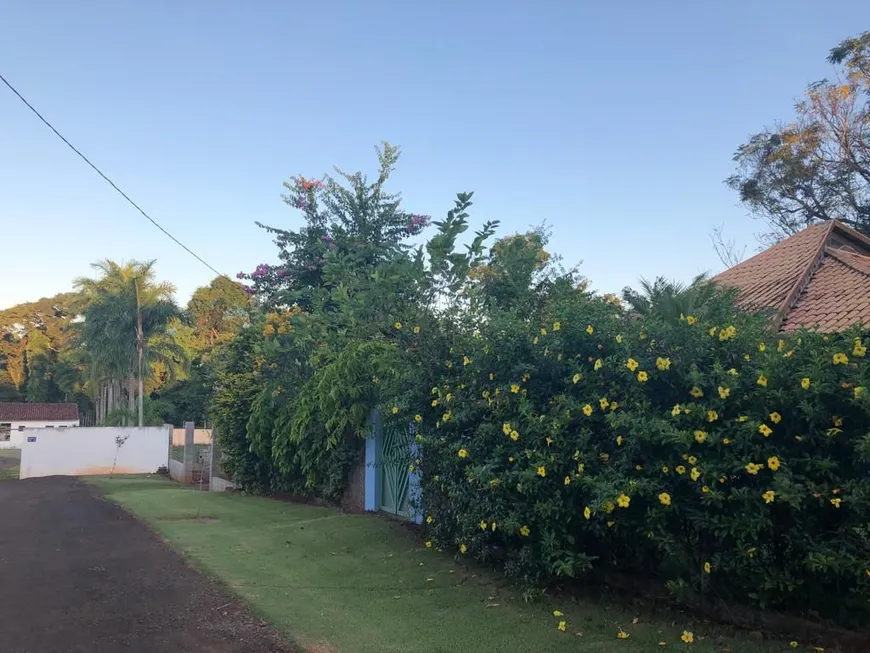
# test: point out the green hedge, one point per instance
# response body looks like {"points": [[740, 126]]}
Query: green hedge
{"points": [[714, 457]]}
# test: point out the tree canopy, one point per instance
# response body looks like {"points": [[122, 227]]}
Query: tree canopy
{"points": [[815, 167]]}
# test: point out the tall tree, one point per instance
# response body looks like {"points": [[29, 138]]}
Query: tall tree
{"points": [[217, 310], [816, 167], [126, 315], [670, 300]]}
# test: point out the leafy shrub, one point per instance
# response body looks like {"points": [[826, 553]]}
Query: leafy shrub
{"points": [[709, 454]]}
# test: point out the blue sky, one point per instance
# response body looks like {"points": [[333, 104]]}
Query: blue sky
{"points": [[613, 122]]}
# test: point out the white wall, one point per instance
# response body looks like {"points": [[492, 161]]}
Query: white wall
{"points": [[200, 436], [16, 437], [91, 451]]}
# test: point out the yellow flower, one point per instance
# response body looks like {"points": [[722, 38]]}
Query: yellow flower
{"points": [[837, 421], [557, 326], [705, 489], [680, 469], [638, 468], [663, 363], [416, 330], [753, 468], [762, 381], [543, 332], [622, 635], [462, 548], [724, 392], [542, 471], [429, 519], [712, 415], [535, 340], [466, 360], [623, 500], [805, 383], [590, 330], [446, 416], [665, 469], [562, 625], [712, 331], [603, 403], [631, 364], [726, 441], [398, 325], [841, 359], [614, 405], [775, 417], [619, 338], [860, 351], [692, 460], [577, 377], [395, 410], [765, 430], [525, 531], [700, 436], [707, 568], [428, 544], [743, 418], [493, 527], [435, 402], [858, 392], [773, 463], [747, 357], [762, 346], [618, 440], [676, 410], [695, 473], [836, 501], [506, 428], [598, 364], [691, 319], [557, 613], [483, 525], [687, 637], [567, 480], [418, 418], [665, 499], [696, 392], [515, 388], [587, 410], [769, 496], [462, 453], [733, 372], [793, 644], [642, 376], [515, 435]]}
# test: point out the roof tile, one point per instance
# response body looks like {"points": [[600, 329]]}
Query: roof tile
{"points": [[35, 412]]}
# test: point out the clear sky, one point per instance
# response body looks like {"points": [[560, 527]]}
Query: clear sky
{"points": [[614, 122]]}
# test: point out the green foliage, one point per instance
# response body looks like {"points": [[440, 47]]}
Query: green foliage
{"points": [[577, 441]]}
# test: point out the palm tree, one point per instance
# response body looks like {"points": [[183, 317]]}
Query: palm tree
{"points": [[125, 312], [669, 300]]}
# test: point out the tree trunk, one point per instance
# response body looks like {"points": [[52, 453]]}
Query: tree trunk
{"points": [[140, 345]]}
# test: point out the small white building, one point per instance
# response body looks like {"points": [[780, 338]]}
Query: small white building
{"points": [[16, 418]]}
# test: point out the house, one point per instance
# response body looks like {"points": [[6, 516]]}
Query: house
{"points": [[818, 278], [16, 417]]}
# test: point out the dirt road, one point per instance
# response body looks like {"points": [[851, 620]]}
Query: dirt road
{"points": [[77, 573]]}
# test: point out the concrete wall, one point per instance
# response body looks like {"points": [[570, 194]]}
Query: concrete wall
{"points": [[200, 436], [16, 437], [91, 451]]}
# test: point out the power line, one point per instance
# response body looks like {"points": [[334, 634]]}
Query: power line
{"points": [[106, 179]]}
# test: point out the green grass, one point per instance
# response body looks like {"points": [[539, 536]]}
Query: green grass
{"points": [[365, 584], [10, 473]]}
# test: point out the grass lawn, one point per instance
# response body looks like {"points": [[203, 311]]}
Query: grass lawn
{"points": [[364, 584], [10, 460]]}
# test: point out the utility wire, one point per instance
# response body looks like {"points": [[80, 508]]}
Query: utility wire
{"points": [[106, 179]]}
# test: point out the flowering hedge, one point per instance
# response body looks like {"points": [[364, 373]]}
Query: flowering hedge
{"points": [[713, 456]]}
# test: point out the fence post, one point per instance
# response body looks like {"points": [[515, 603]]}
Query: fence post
{"points": [[189, 452], [168, 428]]}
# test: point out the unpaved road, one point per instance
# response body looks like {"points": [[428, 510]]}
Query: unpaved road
{"points": [[78, 574]]}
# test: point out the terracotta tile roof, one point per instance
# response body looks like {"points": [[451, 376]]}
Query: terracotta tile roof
{"points": [[34, 412], [818, 278]]}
